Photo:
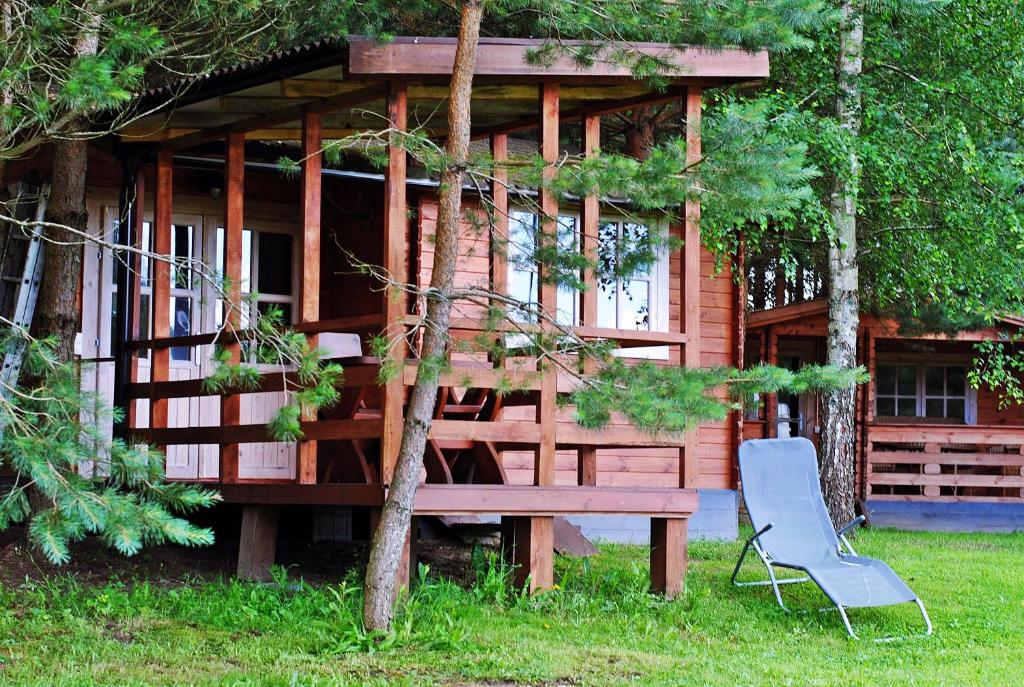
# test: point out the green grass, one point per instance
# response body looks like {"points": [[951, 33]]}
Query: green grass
{"points": [[599, 628]]}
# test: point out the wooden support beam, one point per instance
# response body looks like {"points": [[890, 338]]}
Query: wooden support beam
{"points": [[544, 462], [739, 342], [306, 458], [590, 212], [234, 208], [162, 215], [499, 228], [668, 556], [689, 461], [528, 544], [396, 226], [257, 546]]}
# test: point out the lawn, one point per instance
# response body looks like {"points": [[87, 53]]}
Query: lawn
{"points": [[600, 627]]}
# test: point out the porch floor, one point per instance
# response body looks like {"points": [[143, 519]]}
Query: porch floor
{"points": [[937, 516]]}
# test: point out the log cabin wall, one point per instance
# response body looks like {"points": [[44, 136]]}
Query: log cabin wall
{"points": [[621, 466]]}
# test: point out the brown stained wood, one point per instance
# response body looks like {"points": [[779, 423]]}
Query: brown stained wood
{"points": [[309, 312], [544, 468], [395, 239], [250, 491], [690, 298], [499, 228], [234, 219], [918, 458], [469, 499], [135, 274], [435, 464], [258, 544], [407, 56], [569, 540], [590, 211], [668, 556], [320, 430], [161, 325], [943, 434], [947, 480], [528, 544], [489, 467], [282, 116]]}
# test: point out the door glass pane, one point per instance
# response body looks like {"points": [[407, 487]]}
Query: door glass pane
{"points": [[607, 256], [144, 266], [246, 261], [181, 324], [636, 240], [955, 381], [606, 304], [934, 380], [886, 407], [906, 381], [886, 379], [181, 250], [934, 407], [284, 308], [275, 264], [522, 273], [636, 305]]}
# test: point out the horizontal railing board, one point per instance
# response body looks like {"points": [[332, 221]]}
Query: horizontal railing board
{"points": [[946, 480], [921, 458]]}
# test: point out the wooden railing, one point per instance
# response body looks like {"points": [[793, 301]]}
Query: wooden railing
{"points": [[945, 462]]}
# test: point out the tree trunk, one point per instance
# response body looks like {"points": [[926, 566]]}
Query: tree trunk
{"points": [[389, 539], [57, 308], [838, 412]]}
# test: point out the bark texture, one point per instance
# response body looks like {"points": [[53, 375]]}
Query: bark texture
{"points": [[389, 539], [838, 411]]}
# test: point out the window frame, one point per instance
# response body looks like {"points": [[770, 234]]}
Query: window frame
{"points": [[658, 276], [921, 396]]}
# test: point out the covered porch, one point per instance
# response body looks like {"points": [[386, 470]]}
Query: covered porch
{"points": [[348, 452]]}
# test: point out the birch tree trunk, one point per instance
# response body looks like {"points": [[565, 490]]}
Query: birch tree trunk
{"points": [[838, 412], [57, 312], [389, 539]]}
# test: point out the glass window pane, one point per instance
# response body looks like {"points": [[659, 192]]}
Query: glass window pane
{"points": [[906, 380], [181, 249], [284, 308], [886, 407], [606, 305], [522, 240], [886, 379], [145, 262], [906, 407], [181, 324], [522, 286], [566, 311], [607, 255], [635, 299], [934, 381], [955, 381], [934, 407], [955, 409], [246, 261], [636, 241], [275, 264]]}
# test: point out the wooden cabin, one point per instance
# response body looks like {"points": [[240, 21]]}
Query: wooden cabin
{"points": [[928, 444], [197, 180]]}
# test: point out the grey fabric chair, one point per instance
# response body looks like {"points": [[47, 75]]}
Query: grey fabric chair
{"points": [[793, 530]]}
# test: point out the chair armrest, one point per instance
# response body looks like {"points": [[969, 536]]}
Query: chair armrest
{"points": [[850, 525], [762, 531]]}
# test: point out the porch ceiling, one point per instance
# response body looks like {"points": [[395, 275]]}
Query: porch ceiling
{"points": [[348, 84]]}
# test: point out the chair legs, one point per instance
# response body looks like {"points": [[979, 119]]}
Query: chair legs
{"points": [[772, 580]]}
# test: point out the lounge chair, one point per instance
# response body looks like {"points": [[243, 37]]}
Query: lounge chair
{"points": [[793, 530]]}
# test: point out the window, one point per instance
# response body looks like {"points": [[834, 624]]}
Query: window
{"points": [[639, 302], [267, 271], [928, 391]]}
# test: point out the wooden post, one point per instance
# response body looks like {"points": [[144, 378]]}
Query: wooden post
{"points": [[396, 225], [739, 345], [771, 401], [408, 566], [590, 211], [689, 461], [499, 228], [234, 208], [135, 274], [258, 543], [544, 461], [161, 274], [669, 556], [306, 467], [528, 544]]}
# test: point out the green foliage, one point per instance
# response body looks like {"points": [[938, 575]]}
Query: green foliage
{"points": [[668, 398], [310, 382], [70, 480], [999, 365]]}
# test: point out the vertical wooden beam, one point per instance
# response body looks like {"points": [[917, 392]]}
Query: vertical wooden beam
{"points": [[257, 546], [396, 225], [771, 401], [234, 220], [669, 556], [590, 212], [161, 275], [305, 467], [135, 274], [528, 544], [689, 461], [739, 344], [544, 461], [499, 226]]}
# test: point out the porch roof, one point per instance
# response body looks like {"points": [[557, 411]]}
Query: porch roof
{"points": [[347, 82]]}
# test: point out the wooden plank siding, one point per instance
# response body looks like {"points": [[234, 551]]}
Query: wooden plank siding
{"points": [[621, 466]]}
